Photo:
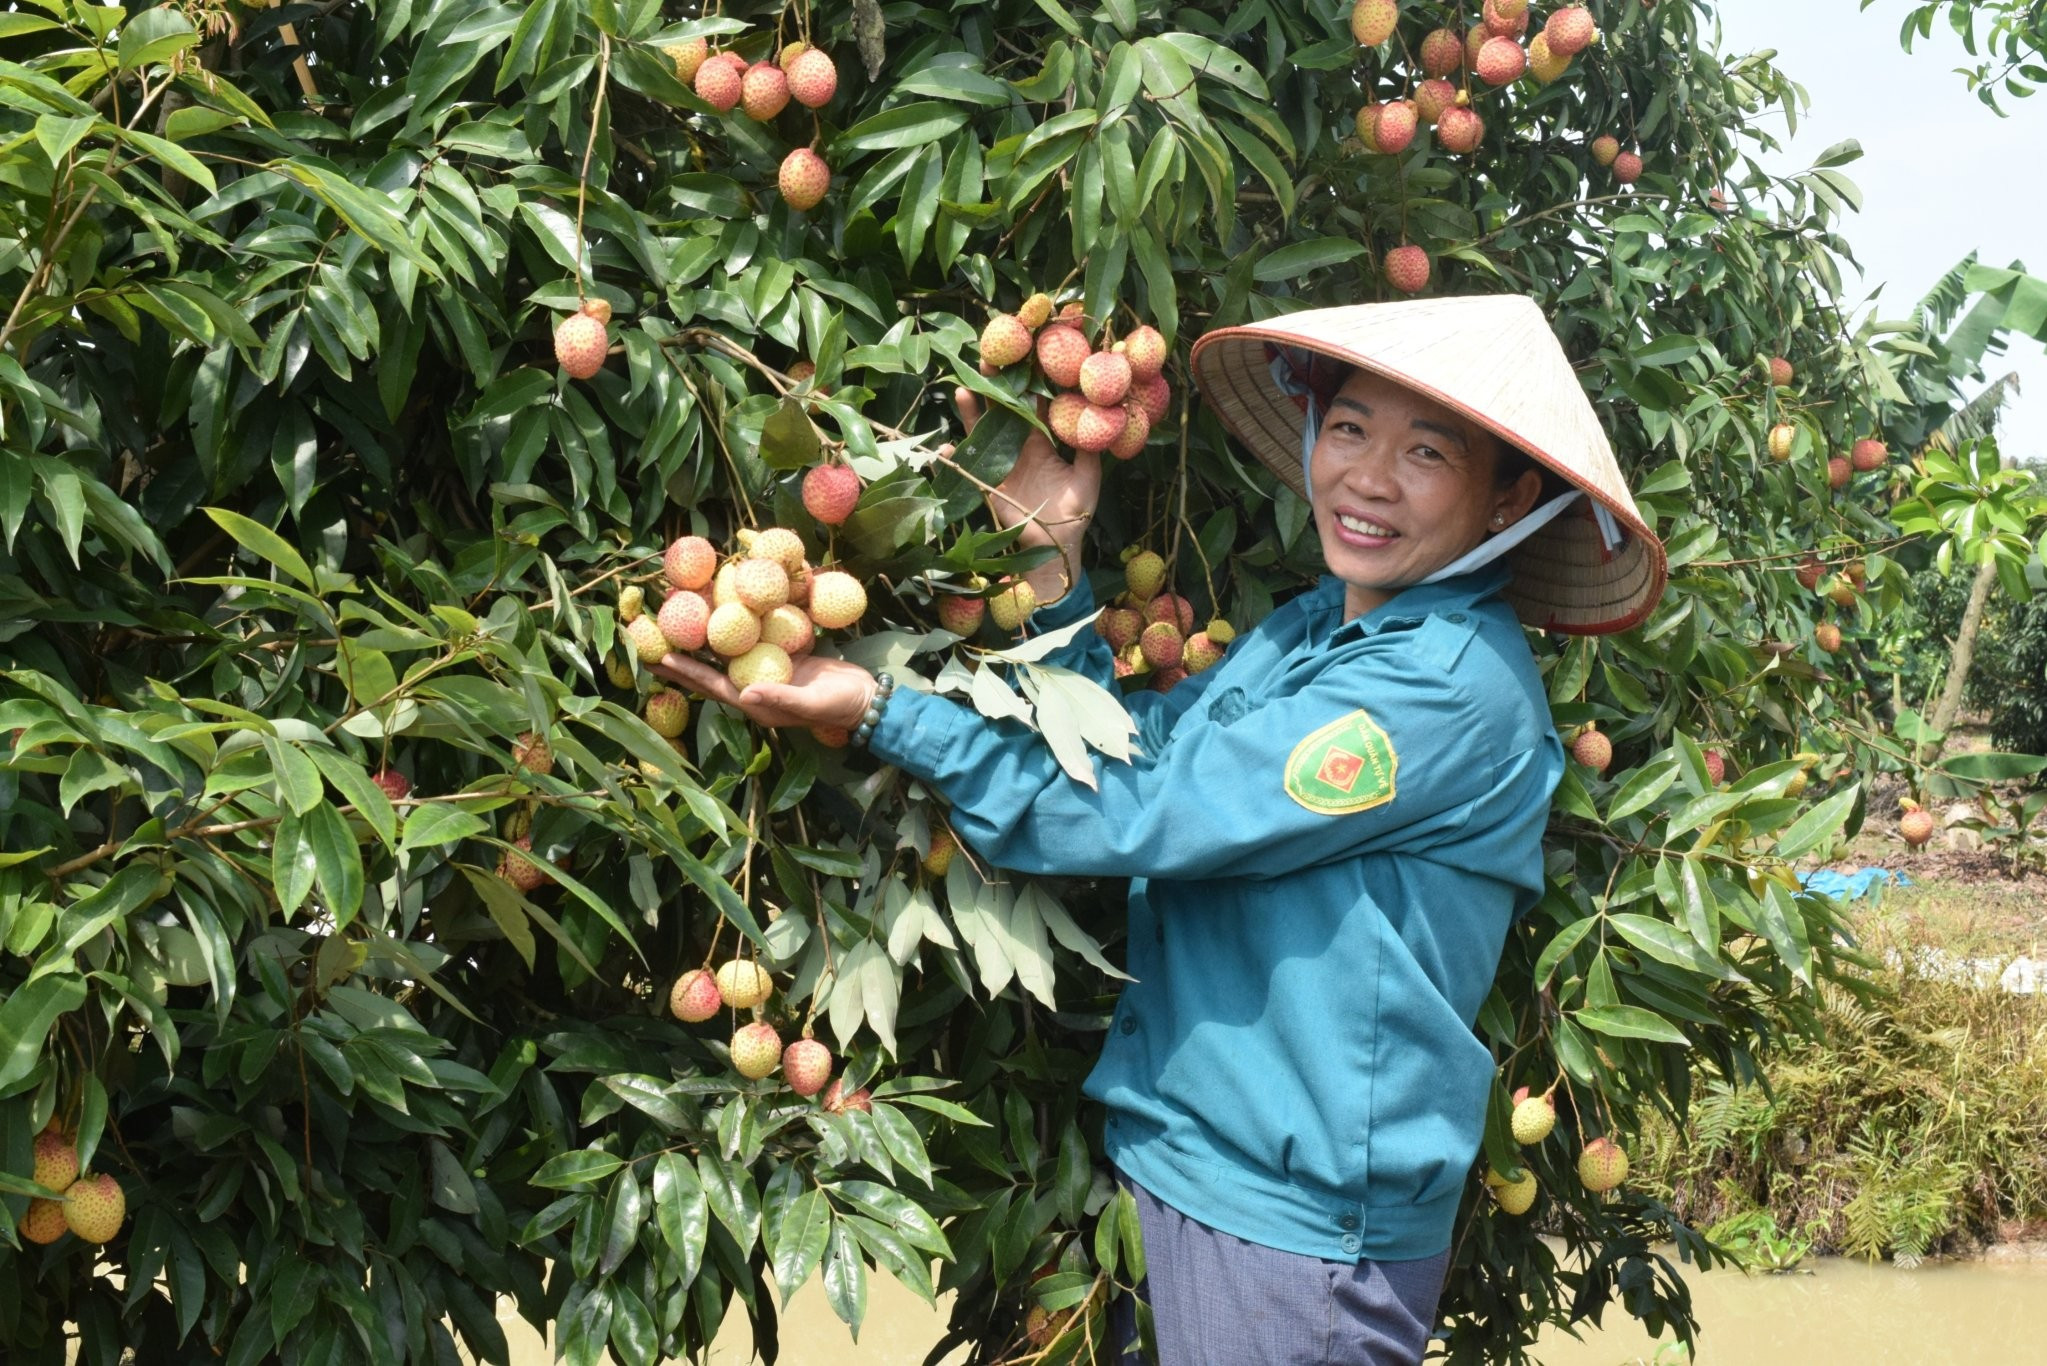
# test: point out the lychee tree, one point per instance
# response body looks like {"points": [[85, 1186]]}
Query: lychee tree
{"points": [[362, 364]]}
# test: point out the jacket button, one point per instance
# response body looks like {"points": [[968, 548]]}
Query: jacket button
{"points": [[1129, 1025], [1351, 1242], [1347, 1221], [1455, 618]]}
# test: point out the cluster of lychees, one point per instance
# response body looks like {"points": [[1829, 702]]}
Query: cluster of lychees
{"points": [[1106, 400], [1602, 1163], [1490, 50], [725, 80], [757, 1050], [91, 1206], [1152, 630], [758, 610]]}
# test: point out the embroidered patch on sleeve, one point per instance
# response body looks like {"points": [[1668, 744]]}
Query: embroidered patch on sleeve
{"points": [[1346, 766]]}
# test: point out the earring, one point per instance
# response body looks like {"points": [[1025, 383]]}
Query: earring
{"points": [[1499, 520]]}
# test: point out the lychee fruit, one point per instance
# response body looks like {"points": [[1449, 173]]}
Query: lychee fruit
{"points": [[1781, 372], [1839, 472], [938, 858], [789, 53], [1220, 631], [1432, 97], [1605, 148], [764, 91], [1396, 126], [1842, 592], [1516, 1197], [1062, 415], [532, 752], [1099, 427], [1916, 826], [1716, 767], [790, 628], [839, 1100], [1546, 66], [56, 1161], [1156, 394], [632, 600], [732, 630], [1810, 571], [831, 737], [1533, 1118], [1795, 785], [524, 873], [689, 562], [719, 84], [762, 584], [1145, 349], [779, 544], [1035, 311], [1781, 437], [806, 1066], [813, 79], [1201, 653], [1144, 574], [1407, 269], [1061, 352], [1460, 129], [580, 345], [1171, 607], [1372, 21], [1161, 644], [1119, 626], [42, 1222], [830, 493], [1592, 749], [393, 781], [1603, 1165], [688, 56], [1169, 678], [836, 599], [685, 620], [764, 663], [1105, 378], [961, 615], [1500, 61], [743, 983], [1442, 52], [1827, 636], [95, 1207], [596, 307], [804, 179], [668, 713], [1627, 168], [647, 641], [1570, 30], [1868, 454], [695, 996], [1136, 431], [1005, 341], [1013, 606], [756, 1050], [1509, 17]]}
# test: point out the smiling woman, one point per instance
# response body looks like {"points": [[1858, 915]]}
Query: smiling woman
{"points": [[1291, 1088]]}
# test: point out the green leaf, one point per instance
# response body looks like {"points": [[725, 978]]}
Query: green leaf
{"points": [[299, 788], [1666, 943], [1818, 825], [800, 1245], [788, 440], [266, 545], [1630, 1022], [622, 1222], [1555, 951], [681, 1212], [434, 824], [25, 1020], [577, 1167], [337, 863], [1298, 258], [845, 1273], [909, 125]]}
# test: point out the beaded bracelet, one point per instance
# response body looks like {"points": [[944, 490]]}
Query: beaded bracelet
{"points": [[884, 684]]}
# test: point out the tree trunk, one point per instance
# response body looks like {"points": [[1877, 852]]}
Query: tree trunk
{"points": [[1958, 664]]}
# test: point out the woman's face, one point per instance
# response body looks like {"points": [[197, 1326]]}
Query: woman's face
{"points": [[1402, 486]]}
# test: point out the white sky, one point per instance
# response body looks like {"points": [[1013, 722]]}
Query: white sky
{"points": [[1941, 174]]}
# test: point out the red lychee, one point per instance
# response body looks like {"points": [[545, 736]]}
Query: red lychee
{"points": [[1005, 341], [960, 614], [1098, 428], [838, 1099], [1442, 52], [719, 84], [830, 492], [695, 997], [1500, 61], [1593, 750], [806, 1066], [1407, 269], [1372, 21], [1627, 168], [1868, 454], [1136, 431], [1605, 148], [579, 345], [1157, 397], [1105, 378], [684, 619], [1781, 372], [1062, 415], [394, 782], [1460, 129], [689, 562], [813, 79], [764, 91], [1396, 126], [1145, 349], [1062, 350], [1570, 30], [1432, 97], [804, 179]]}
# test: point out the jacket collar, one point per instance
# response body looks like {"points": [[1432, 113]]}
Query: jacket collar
{"points": [[1410, 604]]}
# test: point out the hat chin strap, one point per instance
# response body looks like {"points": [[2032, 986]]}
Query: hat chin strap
{"points": [[1486, 551]]}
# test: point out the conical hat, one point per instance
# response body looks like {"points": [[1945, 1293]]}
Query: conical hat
{"points": [[1494, 359]]}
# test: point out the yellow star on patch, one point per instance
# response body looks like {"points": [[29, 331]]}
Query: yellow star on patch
{"points": [[1348, 765]]}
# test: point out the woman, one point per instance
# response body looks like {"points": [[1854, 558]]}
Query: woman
{"points": [[1327, 834]]}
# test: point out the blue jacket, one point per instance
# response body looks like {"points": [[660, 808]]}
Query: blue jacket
{"points": [[1327, 837]]}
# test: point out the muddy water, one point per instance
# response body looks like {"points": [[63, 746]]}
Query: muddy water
{"points": [[1839, 1312], [1832, 1312]]}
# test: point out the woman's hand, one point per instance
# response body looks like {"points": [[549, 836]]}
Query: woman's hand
{"points": [[822, 692], [1054, 498]]}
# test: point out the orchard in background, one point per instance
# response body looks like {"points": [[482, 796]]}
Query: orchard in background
{"points": [[383, 387]]}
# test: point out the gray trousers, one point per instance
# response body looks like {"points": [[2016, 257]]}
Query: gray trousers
{"points": [[1217, 1300]]}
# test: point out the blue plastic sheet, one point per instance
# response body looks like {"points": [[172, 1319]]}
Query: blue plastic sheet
{"points": [[1852, 885]]}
